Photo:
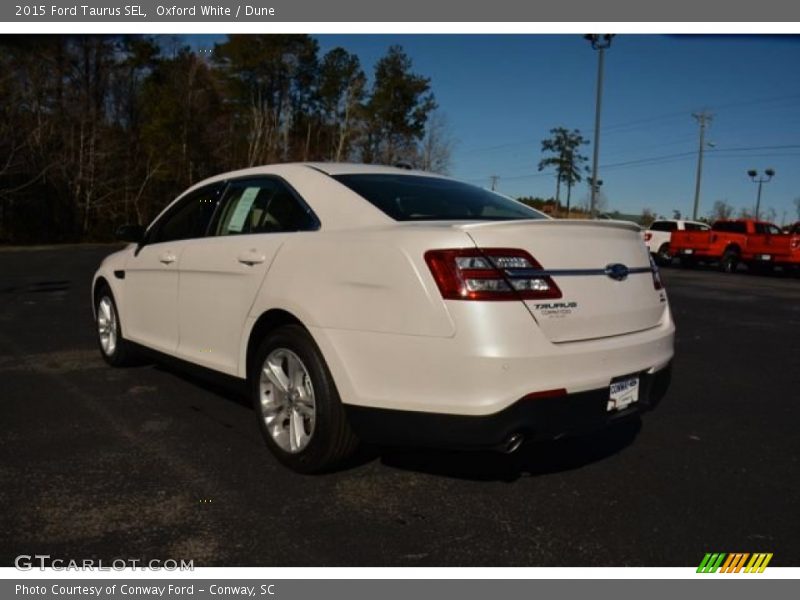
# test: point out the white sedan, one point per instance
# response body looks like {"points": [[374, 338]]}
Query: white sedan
{"points": [[391, 306]]}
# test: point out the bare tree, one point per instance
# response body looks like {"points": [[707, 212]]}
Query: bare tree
{"points": [[648, 216], [721, 210], [437, 145]]}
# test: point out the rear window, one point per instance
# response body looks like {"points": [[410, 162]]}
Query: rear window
{"points": [[664, 226], [730, 226], [420, 198]]}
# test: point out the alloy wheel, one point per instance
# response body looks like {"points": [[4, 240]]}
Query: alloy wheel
{"points": [[286, 400], [107, 325]]}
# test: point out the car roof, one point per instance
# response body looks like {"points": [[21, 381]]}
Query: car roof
{"points": [[334, 168], [327, 168]]}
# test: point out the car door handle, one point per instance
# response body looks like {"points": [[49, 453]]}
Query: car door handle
{"points": [[167, 258], [251, 257]]}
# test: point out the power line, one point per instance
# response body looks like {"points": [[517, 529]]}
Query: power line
{"points": [[667, 158], [643, 121]]}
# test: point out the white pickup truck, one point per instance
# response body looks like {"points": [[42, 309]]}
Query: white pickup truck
{"points": [[657, 236]]}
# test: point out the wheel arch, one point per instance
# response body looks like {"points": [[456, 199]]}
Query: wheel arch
{"points": [[733, 247], [268, 321], [98, 284]]}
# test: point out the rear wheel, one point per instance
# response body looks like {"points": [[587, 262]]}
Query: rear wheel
{"points": [[298, 408], [116, 350], [729, 261], [663, 257]]}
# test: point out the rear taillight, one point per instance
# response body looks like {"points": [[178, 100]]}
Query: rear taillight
{"points": [[489, 274], [657, 283], [647, 236]]}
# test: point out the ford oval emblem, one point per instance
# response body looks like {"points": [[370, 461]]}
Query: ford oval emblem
{"points": [[617, 271]]}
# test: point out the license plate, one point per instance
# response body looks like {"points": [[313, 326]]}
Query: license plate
{"points": [[765, 257], [688, 251], [623, 393]]}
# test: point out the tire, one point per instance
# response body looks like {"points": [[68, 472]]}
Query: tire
{"points": [[301, 418], [663, 257], [114, 348], [729, 261]]}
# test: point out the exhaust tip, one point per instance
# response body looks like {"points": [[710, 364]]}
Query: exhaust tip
{"points": [[512, 444]]}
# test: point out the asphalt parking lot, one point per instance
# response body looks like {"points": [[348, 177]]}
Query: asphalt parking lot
{"points": [[149, 462]]}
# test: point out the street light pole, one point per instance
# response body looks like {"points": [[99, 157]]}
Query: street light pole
{"points": [[600, 43], [768, 174]]}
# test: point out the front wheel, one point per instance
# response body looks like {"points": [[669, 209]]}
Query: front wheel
{"points": [[116, 350], [298, 408]]}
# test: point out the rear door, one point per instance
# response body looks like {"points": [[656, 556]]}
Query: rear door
{"points": [[588, 261], [221, 275], [151, 274]]}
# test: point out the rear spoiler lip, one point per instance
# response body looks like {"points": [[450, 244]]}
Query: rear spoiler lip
{"points": [[610, 224]]}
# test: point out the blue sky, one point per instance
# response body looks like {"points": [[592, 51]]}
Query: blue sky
{"points": [[501, 94]]}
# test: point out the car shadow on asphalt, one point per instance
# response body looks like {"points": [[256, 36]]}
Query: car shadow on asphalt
{"points": [[532, 459]]}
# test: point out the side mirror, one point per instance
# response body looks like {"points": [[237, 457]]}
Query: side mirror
{"points": [[130, 233]]}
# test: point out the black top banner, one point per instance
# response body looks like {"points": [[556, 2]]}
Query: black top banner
{"points": [[407, 11]]}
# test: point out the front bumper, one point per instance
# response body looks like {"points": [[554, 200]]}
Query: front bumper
{"points": [[535, 419]]}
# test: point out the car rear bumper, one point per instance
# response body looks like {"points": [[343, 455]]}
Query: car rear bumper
{"points": [[698, 253], [486, 368], [528, 418]]}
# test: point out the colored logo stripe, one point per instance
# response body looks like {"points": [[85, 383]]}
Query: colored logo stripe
{"points": [[734, 562], [758, 563]]}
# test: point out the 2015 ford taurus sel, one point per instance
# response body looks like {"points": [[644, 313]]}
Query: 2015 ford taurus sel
{"points": [[392, 306]]}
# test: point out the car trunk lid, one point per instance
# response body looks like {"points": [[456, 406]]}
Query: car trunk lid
{"points": [[588, 261]]}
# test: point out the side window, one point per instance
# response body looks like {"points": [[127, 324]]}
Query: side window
{"points": [[730, 226], [262, 206], [695, 227], [767, 228], [189, 218]]}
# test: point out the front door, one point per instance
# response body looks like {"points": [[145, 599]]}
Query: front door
{"points": [[151, 276]]}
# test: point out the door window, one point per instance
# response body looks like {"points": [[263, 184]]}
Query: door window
{"points": [[262, 206], [189, 218]]}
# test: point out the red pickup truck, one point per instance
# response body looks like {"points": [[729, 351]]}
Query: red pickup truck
{"points": [[769, 250], [731, 242]]}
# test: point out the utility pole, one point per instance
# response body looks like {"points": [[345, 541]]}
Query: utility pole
{"points": [[703, 118], [600, 43], [494, 179]]}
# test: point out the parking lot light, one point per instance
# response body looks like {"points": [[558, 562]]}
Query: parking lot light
{"points": [[767, 176]]}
